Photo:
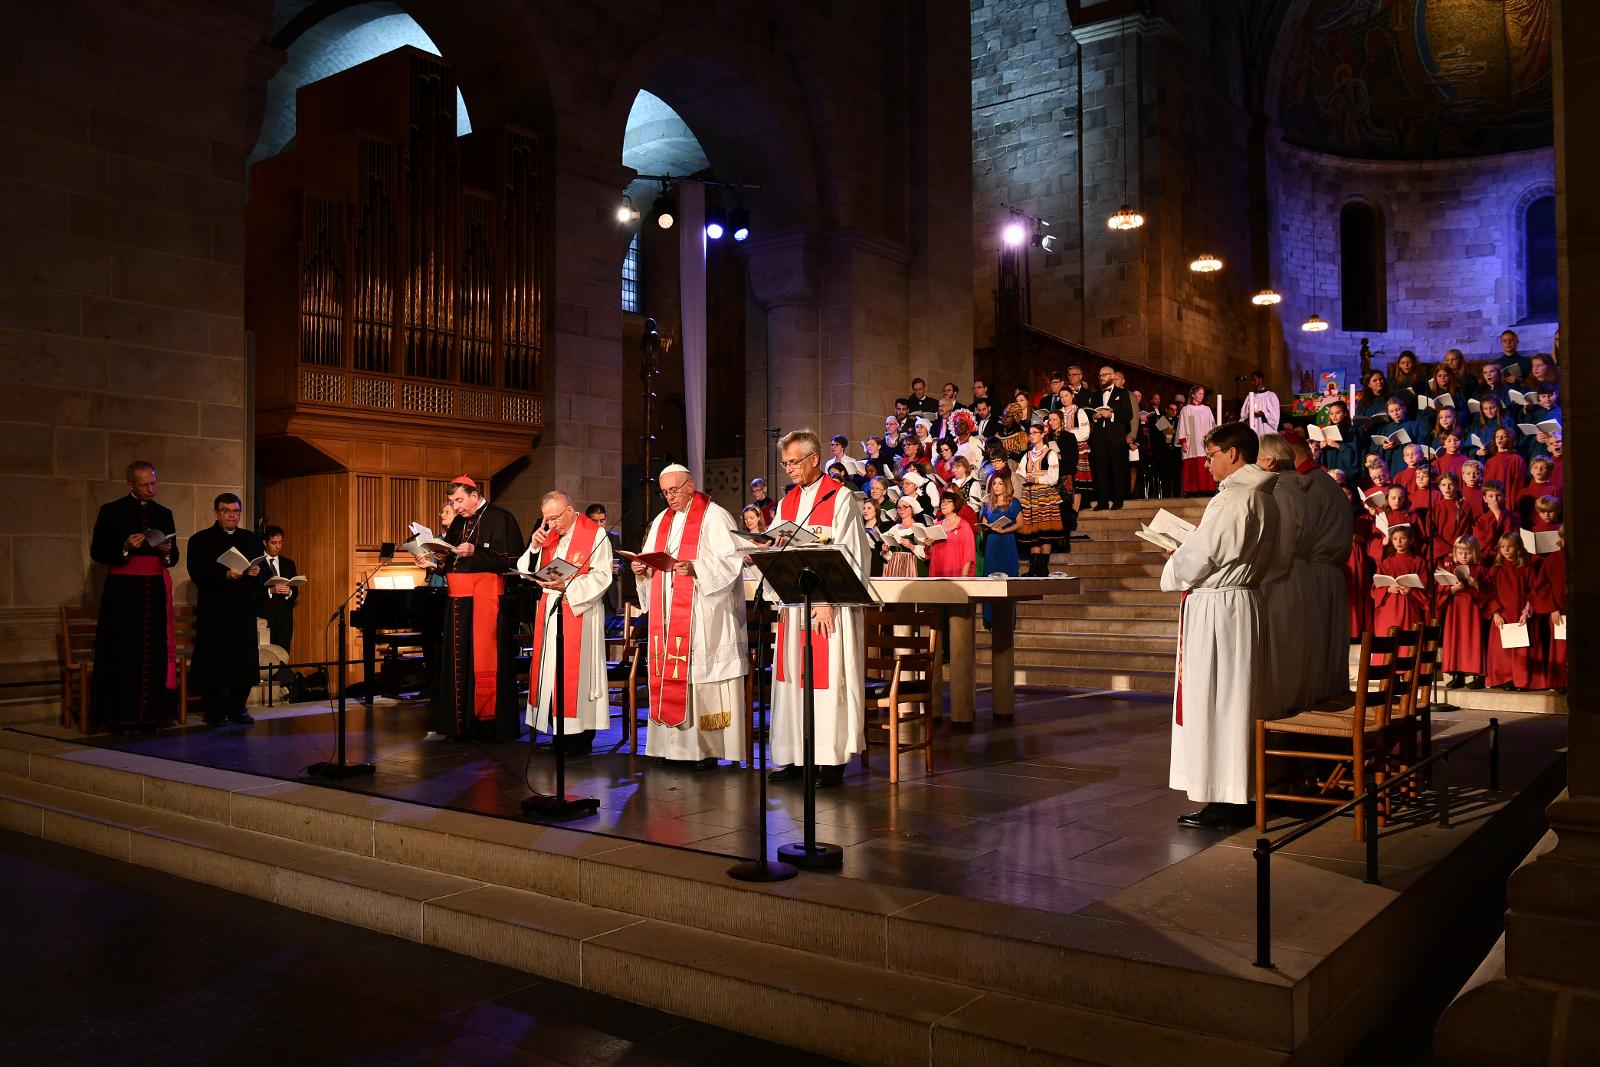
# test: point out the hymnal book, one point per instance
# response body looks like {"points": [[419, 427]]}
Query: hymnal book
{"points": [[1165, 530], [1514, 635], [753, 538], [1474, 407], [1533, 429], [423, 540], [157, 538], [1450, 579], [874, 536], [796, 534], [234, 560], [1038, 418], [1443, 400], [1376, 497], [917, 535], [1521, 400], [1539, 544], [559, 570], [660, 561], [1404, 581], [1163, 424], [852, 466], [1476, 442], [1398, 437], [1001, 525], [1558, 630], [1325, 435], [1103, 412], [279, 581]]}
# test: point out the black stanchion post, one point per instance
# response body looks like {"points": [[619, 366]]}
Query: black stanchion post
{"points": [[1494, 755], [1263, 855], [1444, 789], [810, 853], [762, 869], [558, 805], [1369, 816], [338, 768]]}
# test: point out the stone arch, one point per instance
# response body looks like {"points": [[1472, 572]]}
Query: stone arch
{"points": [[1517, 268], [1363, 266]]}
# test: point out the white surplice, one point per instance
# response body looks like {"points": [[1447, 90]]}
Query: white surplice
{"points": [[1330, 525], [586, 595], [718, 644], [1289, 638], [1263, 403], [841, 706], [1223, 684], [1194, 422]]}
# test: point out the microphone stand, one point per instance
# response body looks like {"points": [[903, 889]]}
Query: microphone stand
{"points": [[763, 869], [558, 805], [338, 767]]}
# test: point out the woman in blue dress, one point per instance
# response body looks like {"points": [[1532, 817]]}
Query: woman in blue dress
{"points": [[999, 549]]}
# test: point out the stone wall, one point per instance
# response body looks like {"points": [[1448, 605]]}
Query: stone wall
{"points": [[123, 133], [1451, 252]]}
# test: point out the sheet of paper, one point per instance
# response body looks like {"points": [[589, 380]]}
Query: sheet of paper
{"points": [[1514, 635]]}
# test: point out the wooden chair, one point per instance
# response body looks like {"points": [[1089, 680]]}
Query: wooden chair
{"points": [[1352, 742], [902, 680], [183, 628], [626, 673], [76, 645]]}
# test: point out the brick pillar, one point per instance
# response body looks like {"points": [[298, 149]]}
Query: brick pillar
{"points": [[784, 272]]}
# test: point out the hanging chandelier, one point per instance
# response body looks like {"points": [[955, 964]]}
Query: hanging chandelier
{"points": [[1266, 298], [1205, 263], [1125, 219], [1315, 324]]}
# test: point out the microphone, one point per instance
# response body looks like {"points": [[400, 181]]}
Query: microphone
{"points": [[829, 495]]}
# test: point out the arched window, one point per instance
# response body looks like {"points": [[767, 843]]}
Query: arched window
{"points": [[630, 275], [1538, 253], [1363, 276]]}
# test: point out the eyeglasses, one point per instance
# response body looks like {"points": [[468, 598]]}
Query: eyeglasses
{"points": [[674, 490], [789, 464], [1212, 454]]}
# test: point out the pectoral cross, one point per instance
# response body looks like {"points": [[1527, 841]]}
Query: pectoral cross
{"points": [[674, 660]]}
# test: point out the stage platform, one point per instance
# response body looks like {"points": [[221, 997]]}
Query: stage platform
{"points": [[1032, 902]]}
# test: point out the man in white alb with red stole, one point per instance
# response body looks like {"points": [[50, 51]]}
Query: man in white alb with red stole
{"points": [[837, 636], [585, 699], [697, 642]]}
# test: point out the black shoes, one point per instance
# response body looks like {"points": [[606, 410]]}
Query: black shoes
{"points": [[791, 773], [1219, 817], [240, 717], [571, 745], [829, 777], [1475, 682]]}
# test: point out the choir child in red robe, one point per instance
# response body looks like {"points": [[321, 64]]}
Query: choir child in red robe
{"points": [[1374, 475], [1506, 465], [1546, 515], [1539, 486], [1395, 605], [1496, 520], [1557, 479], [1396, 511], [1406, 477], [1449, 459], [1358, 569], [1463, 655], [1508, 599], [1422, 494], [1550, 602], [1472, 487]]}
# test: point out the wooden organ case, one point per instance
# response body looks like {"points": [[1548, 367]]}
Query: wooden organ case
{"points": [[396, 289]]}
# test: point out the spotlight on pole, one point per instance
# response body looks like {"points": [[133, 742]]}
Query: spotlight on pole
{"points": [[739, 223], [626, 212], [716, 222], [666, 209], [1014, 234]]}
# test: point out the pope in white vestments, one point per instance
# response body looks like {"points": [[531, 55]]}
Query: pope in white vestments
{"points": [[1223, 684], [696, 610], [564, 534], [837, 637]]}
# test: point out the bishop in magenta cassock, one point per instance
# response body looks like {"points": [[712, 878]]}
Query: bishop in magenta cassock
{"points": [[696, 609], [1223, 682], [135, 654], [836, 634], [585, 699]]}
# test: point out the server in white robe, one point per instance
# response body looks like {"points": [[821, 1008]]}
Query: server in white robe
{"points": [[580, 541], [1329, 524], [1296, 630], [836, 634], [1222, 683], [1261, 408], [696, 608]]}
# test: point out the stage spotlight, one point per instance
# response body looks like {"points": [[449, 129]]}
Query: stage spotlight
{"points": [[1049, 242], [626, 212], [716, 222], [666, 210], [739, 223], [1014, 234]]}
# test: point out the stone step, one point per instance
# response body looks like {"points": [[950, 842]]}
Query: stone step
{"points": [[1078, 623], [1537, 702], [1060, 677], [1188, 507], [1091, 649], [1090, 610], [1079, 558], [1128, 582], [1082, 568], [1137, 597]]}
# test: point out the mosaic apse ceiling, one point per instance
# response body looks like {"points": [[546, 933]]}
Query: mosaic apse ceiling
{"points": [[1418, 79]]}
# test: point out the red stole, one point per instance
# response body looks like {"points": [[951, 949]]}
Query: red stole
{"points": [[484, 591], [579, 551], [149, 567], [670, 637], [821, 515]]}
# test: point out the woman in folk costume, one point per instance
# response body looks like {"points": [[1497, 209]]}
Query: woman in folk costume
{"points": [[585, 702], [1463, 655], [900, 556], [1194, 422], [1223, 682], [698, 642], [835, 634], [1039, 471]]}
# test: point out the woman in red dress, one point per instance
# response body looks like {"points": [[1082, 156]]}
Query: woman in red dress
{"points": [[957, 555], [1508, 600], [1397, 605], [1464, 655]]}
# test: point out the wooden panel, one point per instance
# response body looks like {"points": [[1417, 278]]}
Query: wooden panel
{"points": [[403, 457], [404, 506], [369, 511], [366, 454], [314, 511]]}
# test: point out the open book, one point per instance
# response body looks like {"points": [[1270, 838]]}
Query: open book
{"points": [[234, 560], [660, 561], [1450, 579], [852, 466], [558, 570], [1534, 429], [1163, 424], [1539, 544], [1476, 442], [423, 540], [277, 581], [1376, 498], [916, 535], [1443, 400], [1324, 435], [157, 538], [1394, 437], [1165, 530], [754, 538], [1001, 525], [1404, 581], [1474, 407], [1521, 400], [797, 534]]}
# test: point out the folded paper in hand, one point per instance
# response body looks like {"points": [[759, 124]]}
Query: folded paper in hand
{"points": [[1540, 544], [157, 538]]}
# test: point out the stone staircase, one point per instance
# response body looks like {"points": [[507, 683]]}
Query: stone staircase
{"points": [[1121, 632]]}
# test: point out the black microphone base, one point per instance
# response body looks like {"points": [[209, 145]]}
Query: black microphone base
{"points": [[548, 806], [817, 856], [762, 871], [330, 769]]}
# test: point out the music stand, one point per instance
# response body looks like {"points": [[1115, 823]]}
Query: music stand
{"points": [[803, 576]]}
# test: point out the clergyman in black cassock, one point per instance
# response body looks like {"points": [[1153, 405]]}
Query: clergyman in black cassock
{"points": [[135, 654], [226, 651], [478, 688], [277, 607]]}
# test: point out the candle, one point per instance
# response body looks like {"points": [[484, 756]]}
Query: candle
{"points": [[1219, 409], [1352, 399]]}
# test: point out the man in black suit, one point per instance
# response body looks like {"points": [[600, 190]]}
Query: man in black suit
{"points": [[1051, 401], [919, 402], [985, 425], [1110, 436], [275, 601]]}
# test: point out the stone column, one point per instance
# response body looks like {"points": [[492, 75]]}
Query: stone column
{"points": [[1545, 1006], [784, 271]]}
